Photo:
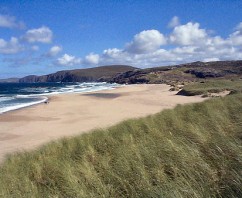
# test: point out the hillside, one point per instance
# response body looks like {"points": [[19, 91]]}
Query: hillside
{"points": [[183, 73], [102, 73]]}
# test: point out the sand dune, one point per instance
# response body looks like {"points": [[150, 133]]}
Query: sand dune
{"points": [[71, 114]]}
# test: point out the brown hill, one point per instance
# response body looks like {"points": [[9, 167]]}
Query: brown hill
{"points": [[102, 73], [182, 73], [195, 71]]}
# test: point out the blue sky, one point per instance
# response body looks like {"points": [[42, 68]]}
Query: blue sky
{"points": [[40, 37]]}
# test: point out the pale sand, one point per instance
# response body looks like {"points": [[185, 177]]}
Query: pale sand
{"points": [[71, 114]]}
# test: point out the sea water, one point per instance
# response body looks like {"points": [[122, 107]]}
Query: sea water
{"points": [[18, 95]]}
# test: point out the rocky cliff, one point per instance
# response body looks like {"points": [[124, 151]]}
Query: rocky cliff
{"points": [[103, 73]]}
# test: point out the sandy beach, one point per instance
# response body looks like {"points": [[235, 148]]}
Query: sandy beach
{"points": [[72, 114]]}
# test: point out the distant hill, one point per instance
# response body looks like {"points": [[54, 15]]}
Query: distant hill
{"points": [[189, 72], [102, 73], [195, 71], [9, 80]]}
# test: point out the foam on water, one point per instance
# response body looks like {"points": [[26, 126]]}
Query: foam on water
{"points": [[2, 98], [32, 94], [19, 105]]}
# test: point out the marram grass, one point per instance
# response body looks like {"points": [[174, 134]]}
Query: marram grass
{"points": [[212, 86], [191, 151]]}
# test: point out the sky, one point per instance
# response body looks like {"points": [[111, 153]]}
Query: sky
{"points": [[41, 37]]}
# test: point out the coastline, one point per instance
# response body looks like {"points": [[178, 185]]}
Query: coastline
{"points": [[15, 108], [75, 113], [44, 97]]}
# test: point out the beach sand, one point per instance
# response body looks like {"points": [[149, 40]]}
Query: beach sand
{"points": [[72, 114]]}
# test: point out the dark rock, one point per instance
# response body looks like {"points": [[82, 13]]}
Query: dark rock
{"points": [[181, 73]]}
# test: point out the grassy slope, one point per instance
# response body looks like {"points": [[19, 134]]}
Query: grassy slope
{"points": [[191, 151], [212, 86]]}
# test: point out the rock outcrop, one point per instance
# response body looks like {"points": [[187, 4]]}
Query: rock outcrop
{"points": [[182, 73]]}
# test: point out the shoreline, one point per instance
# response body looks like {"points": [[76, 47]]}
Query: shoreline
{"points": [[48, 96], [27, 106], [75, 113]]}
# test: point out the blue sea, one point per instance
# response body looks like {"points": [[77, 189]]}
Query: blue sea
{"points": [[18, 95]]}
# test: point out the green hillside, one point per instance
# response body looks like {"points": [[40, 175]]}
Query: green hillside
{"points": [[212, 86]]}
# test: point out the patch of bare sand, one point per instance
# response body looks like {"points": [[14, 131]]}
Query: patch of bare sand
{"points": [[72, 114]]}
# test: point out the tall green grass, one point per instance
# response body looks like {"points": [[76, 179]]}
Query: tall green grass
{"points": [[212, 86], [191, 151]]}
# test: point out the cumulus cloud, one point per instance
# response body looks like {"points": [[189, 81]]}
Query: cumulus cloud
{"points": [[10, 47], [112, 53], [92, 59], [239, 27], [54, 51], [118, 56], [188, 34], [42, 35], [145, 42], [236, 37], [7, 21], [68, 60], [210, 59], [174, 22], [186, 43]]}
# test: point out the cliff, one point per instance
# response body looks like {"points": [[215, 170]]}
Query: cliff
{"points": [[103, 73]]}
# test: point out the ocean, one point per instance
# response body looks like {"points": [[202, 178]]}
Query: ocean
{"points": [[18, 95]]}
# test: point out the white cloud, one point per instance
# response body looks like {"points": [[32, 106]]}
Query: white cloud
{"points": [[185, 43], [236, 37], [10, 22], [210, 59], [174, 22], [190, 43], [112, 53], [11, 47], [54, 50], [239, 27], [145, 42], [189, 34], [68, 60], [92, 59], [115, 56], [42, 35], [35, 48]]}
